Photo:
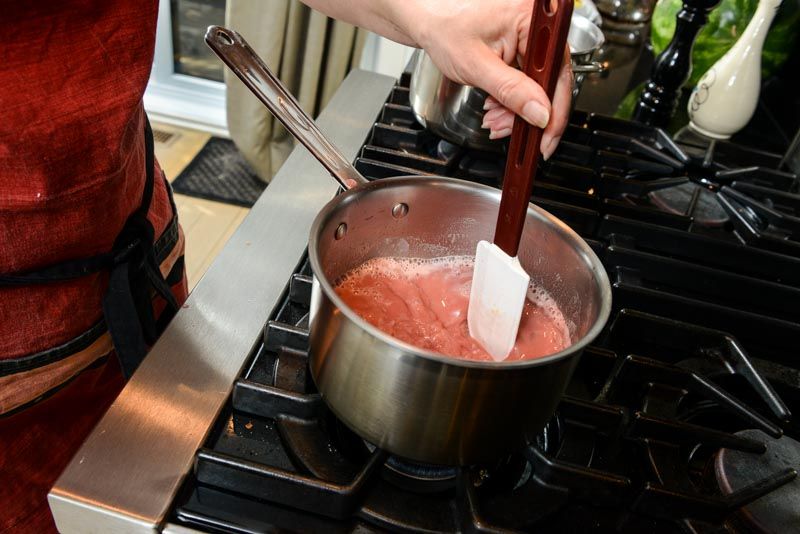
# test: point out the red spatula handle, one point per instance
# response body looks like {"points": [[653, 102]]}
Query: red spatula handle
{"points": [[543, 57]]}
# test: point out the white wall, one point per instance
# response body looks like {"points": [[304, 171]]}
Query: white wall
{"points": [[385, 56]]}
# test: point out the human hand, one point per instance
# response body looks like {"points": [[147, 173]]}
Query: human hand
{"points": [[474, 42]]}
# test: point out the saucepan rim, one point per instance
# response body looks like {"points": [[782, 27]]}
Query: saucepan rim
{"points": [[567, 233]]}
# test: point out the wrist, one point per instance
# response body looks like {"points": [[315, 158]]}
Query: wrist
{"points": [[411, 18]]}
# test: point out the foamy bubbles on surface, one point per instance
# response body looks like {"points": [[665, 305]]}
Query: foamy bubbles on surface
{"points": [[405, 267], [542, 299], [401, 268]]}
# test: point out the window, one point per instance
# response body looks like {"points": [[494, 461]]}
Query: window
{"points": [[190, 18], [185, 85]]}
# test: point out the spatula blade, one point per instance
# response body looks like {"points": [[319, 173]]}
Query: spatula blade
{"points": [[496, 299]]}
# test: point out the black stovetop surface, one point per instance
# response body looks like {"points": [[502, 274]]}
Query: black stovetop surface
{"points": [[702, 247]]}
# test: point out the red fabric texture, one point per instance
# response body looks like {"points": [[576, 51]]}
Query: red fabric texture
{"points": [[37, 442], [71, 172], [31, 460], [71, 155]]}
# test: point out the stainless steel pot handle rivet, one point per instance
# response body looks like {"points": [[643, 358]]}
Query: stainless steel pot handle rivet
{"points": [[400, 210], [341, 231]]}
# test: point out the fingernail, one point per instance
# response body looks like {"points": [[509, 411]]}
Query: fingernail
{"points": [[536, 114], [499, 134], [489, 105], [550, 148], [485, 124]]}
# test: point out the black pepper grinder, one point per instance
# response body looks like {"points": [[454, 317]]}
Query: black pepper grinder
{"points": [[673, 66]]}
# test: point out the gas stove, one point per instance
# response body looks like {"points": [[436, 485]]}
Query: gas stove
{"points": [[632, 447], [635, 444], [677, 418]]}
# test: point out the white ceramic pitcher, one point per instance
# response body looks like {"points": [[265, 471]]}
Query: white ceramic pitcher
{"points": [[725, 98]]}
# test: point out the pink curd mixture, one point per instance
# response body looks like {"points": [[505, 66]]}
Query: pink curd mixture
{"points": [[424, 303]]}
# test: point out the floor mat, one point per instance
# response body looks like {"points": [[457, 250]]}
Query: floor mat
{"points": [[219, 172]]}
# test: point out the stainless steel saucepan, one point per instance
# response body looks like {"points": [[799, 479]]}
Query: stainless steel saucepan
{"points": [[415, 403], [455, 111]]}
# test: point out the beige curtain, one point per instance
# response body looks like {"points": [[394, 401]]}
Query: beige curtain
{"points": [[311, 54]]}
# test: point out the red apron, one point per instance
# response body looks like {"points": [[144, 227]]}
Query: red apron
{"points": [[90, 248]]}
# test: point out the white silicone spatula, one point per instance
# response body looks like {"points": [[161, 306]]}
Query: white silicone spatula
{"points": [[499, 283]]}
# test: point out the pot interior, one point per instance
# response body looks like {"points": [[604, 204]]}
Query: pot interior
{"points": [[433, 217]]}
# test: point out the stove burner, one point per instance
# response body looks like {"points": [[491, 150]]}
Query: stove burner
{"points": [[447, 151], [703, 179], [508, 473], [416, 476], [692, 200], [419, 477], [709, 183], [779, 510], [483, 169], [470, 164]]}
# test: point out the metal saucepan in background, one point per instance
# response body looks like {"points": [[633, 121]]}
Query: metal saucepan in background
{"points": [[455, 112], [415, 403]]}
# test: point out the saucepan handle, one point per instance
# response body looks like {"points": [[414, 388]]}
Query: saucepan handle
{"points": [[234, 51], [594, 66]]}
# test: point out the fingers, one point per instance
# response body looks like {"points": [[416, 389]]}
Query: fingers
{"points": [[499, 121], [492, 115], [499, 118], [513, 89], [490, 104], [562, 102], [500, 133]]}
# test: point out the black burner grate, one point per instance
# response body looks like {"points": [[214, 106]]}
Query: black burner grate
{"points": [[616, 456], [699, 356], [620, 168]]}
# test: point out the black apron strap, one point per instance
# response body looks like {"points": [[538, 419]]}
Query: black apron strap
{"points": [[134, 274], [67, 270]]}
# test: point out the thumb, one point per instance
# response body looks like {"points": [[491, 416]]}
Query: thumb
{"points": [[513, 89]]}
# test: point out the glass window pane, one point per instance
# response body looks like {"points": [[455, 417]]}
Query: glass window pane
{"points": [[190, 18]]}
